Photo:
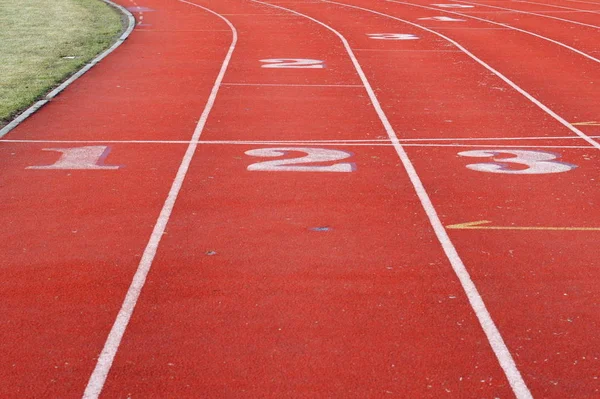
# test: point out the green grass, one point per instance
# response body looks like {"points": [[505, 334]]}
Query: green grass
{"points": [[36, 35]]}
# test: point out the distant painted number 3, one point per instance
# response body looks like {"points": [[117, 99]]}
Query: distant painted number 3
{"points": [[529, 162], [301, 164], [293, 63]]}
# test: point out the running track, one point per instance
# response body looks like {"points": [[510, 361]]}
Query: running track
{"points": [[438, 239]]}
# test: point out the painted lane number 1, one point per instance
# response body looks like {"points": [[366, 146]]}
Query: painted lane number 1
{"points": [[80, 158], [301, 164]]}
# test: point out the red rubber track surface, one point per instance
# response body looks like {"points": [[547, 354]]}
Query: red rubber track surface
{"points": [[295, 284]]}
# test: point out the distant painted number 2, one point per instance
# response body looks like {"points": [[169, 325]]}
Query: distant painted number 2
{"points": [[536, 162], [392, 36], [442, 19], [293, 63], [453, 5], [300, 164]]}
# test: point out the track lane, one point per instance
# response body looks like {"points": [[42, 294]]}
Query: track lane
{"points": [[509, 261], [576, 13], [569, 97], [583, 8], [499, 9], [584, 42], [256, 291], [71, 239]]}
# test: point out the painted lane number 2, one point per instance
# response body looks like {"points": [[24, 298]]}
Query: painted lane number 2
{"points": [[300, 164], [536, 162], [293, 63]]}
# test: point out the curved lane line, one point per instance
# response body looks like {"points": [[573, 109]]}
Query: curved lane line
{"points": [[31, 110], [554, 6], [491, 331], [503, 25], [509, 82], [586, 2], [529, 13], [111, 346]]}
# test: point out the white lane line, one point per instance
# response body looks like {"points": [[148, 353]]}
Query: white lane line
{"points": [[403, 140], [551, 5], [491, 331], [111, 346], [530, 13], [179, 31], [509, 82], [286, 85], [486, 146], [326, 144], [262, 15], [503, 25], [458, 28], [510, 12], [31, 110], [585, 2], [189, 141], [408, 51]]}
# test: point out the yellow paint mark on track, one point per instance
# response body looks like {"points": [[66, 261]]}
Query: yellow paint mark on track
{"points": [[478, 226], [591, 123]]}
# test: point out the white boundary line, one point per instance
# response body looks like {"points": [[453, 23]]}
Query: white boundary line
{"points": [[585, 2], [288, 85], [551, 5], [403, 140], [503, 25], [509, 82], [530, 13], [350, 144], [31, 110], [491, 331], [408, 51], [419, 141], [111, 346]]}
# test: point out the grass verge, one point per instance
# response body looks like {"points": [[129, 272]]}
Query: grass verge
{"points": [[43, 42]]}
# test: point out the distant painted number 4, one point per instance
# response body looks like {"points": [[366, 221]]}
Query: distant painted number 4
{"points": [[526, 162], [292, 63], [301, 164]]}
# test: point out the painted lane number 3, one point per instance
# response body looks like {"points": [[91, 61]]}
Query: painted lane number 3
{"points": [[529, 162], [301, 164]]}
